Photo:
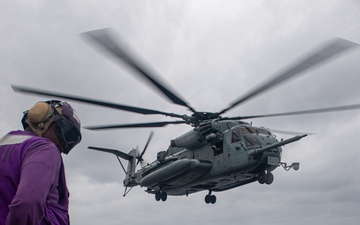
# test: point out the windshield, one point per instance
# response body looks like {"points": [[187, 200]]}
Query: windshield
{"points": [[249, 135]]}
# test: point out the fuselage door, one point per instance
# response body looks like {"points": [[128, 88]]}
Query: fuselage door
{"points": [[234, 143]]}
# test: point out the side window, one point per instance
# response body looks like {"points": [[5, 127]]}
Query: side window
{"points": [[217, 148]]}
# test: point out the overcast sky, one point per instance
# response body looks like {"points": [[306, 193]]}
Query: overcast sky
{"points": [[210, 52]]}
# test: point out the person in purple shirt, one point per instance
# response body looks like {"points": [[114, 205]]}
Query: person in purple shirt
{"points": [[33, 188]]}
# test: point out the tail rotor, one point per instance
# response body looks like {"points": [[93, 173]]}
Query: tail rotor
{"points": [[139, 157]]}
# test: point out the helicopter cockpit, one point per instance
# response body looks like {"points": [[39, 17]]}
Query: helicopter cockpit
{"points": [[250, 135]]}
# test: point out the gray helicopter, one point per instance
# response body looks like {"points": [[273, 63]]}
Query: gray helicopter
{"points": [[218, 153]]}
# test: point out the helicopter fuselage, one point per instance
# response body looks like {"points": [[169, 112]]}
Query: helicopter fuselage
{"points": [[218, 158]]}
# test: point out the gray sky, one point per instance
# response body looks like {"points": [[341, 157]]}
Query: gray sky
{"points": [[211, 53]]}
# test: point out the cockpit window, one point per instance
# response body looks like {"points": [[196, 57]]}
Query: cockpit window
{"points": [[255, 130], [235, 136], [246, 130], [251, 141], [249, 135], [263, 131]]}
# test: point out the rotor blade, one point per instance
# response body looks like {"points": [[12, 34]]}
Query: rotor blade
{"points": [[113, 151], [94, 102], [286, 132], [134, 125], [311, 111], [140, 158], [122, 51], [321, 55], [147, 143]]}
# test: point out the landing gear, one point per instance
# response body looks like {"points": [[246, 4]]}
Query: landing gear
{"points": [[210, 198], [266, 178], [161, 195], [269, 178]]}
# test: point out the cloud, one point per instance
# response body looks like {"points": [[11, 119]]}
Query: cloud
{"points": [[211, 52]]}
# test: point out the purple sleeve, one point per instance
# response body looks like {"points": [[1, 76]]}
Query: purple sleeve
{"points": [[40, 169]]}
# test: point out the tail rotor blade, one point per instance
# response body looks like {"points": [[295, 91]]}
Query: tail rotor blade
{"points": [[140, 157]]}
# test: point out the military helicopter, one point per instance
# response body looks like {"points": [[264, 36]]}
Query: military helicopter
{"points": [[218, 153]]}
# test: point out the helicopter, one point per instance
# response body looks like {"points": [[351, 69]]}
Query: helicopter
{"points": [[218, 153]]}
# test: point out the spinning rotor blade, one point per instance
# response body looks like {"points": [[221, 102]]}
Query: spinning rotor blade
{"points": [[334, 48], [140, 157], [147, 143], [286, 132], [135, 125], [311, 111], [94, 102], [120, 51]]}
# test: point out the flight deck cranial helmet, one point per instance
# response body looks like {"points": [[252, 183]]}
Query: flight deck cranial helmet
{"points": [[67, 125]]}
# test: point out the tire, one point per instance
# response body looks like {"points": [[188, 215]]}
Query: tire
{"points": [[262, 178], [207, 199], [163, 196], [212, 199], [157, 196], [269, 178]]}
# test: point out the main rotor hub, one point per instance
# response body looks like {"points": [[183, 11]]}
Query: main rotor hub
{"points": [[199, 117]]}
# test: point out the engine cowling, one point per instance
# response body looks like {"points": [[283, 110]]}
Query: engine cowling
{"points": [[198, 136]]}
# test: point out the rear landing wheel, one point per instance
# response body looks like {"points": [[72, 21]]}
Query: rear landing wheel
{"points": [[161, 195], [210, 199]]}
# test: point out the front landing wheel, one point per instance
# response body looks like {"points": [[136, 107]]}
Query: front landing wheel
{"points": [[269, 178]]}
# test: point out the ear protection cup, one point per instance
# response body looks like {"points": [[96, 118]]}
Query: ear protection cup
{"points": [[43, 114]]}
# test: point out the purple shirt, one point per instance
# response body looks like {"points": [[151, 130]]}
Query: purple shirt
{"points": [[32, 181]]}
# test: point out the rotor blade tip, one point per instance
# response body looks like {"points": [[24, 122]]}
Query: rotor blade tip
{"points": [[17, 88], [345, 43], [14, 87], [96, 34]]}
